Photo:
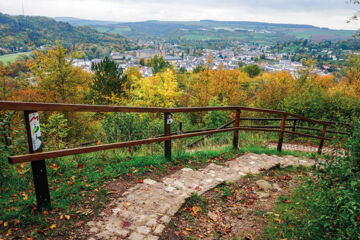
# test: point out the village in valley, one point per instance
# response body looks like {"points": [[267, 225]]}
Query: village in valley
{"points": [[228, 58]]}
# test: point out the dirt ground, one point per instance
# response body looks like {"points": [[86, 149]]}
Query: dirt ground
{"points": [[233, 211]]}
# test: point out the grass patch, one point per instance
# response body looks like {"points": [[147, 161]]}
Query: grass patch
{"points": [[11, 58], [197, 201]]}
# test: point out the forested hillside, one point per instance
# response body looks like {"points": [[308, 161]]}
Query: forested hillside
{"points": [[24, 31], [205, 30]]}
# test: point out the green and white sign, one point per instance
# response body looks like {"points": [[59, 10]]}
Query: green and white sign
{"points": [[35, 131]]}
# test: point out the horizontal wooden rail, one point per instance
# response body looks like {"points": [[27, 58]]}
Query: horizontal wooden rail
{"points": [[327, 131], [73, 151], [267, 119], [348, 125], [61, 107]]}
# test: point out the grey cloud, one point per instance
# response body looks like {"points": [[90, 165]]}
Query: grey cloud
{"points": [[327, 13]]}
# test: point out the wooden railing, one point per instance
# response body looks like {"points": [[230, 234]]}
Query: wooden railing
{"points": [[37, 157]]}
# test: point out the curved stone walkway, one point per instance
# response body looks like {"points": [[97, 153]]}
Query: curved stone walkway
{"points": [[143, 211]]}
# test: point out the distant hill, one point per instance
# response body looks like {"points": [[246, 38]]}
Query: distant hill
{"points": [[83, 22], [24, 31], [243, 31]]}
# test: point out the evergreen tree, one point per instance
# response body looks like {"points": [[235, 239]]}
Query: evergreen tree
{"points": [[158, 64], [108, 82]]}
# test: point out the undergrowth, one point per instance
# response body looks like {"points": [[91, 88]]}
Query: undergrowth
{"points": [[327, 206]]}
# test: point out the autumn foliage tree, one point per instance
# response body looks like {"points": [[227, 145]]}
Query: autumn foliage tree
{"points": [[160, 90], [54, 71]]}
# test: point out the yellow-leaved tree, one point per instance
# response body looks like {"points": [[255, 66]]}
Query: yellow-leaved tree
{"points": [[160, 90], [54, 72]]}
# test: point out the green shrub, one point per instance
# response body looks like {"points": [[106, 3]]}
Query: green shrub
{"points": [[215, 119], [55, 131], [327, 206], [130, 126]]}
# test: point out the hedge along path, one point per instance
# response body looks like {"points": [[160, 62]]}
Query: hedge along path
{"points": [[142, 212]]}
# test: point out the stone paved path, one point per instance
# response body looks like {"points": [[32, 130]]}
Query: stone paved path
{"points": [[143, 211]]}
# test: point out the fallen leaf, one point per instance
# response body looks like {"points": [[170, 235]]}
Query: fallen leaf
{"points": [[79, 223], [53, 226], [140, 181], [55, 167], [287, 201], [80, 165], [25, 196], [126, 224], [189, 229], [197, 188], [185, 233], [6, 224], [195, 210], [67, 217]]}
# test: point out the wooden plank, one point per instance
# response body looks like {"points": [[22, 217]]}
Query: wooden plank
{"points": [[267, 119], [61, 107], [328, 131], [73, 151]]}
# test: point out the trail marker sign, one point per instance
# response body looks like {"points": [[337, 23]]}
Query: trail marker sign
{"points": [[35, 130], [169, 119]]}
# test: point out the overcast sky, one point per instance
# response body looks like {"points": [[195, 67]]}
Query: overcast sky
{"points": [[323, 13]]}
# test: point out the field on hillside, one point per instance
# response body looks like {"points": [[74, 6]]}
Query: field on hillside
{"points": [[11, 58], [110, 29]]}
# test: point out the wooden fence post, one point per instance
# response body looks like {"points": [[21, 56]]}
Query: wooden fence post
{"points": [[167, 147], [180, 127], [281, 134], [236, 132], [323, 132], [33, 132], [294, 126]]}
